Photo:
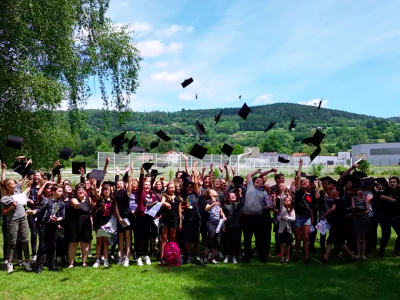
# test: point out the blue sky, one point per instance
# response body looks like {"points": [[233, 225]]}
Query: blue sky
{"points": [[345, 51]]}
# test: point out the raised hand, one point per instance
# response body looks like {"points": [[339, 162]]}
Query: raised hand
{"points": [[107, 159], [127, 168]]}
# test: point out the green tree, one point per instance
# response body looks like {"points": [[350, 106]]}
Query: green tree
{"points": [[237, 149]]}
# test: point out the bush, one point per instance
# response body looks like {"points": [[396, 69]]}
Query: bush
{"points": [[216, 173], [171, 174], [339, 169], [364, 166], [316, 169]]}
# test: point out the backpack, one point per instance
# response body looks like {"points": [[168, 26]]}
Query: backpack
{"points": [[172, 254]]}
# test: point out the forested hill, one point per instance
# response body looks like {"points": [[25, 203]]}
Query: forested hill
{"points": [[342, 129]]}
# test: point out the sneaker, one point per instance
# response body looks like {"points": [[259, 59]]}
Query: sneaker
{"points": [[27, 265], [234, 260], [364, 257], [226, 259], [126, 262], [205, 260], [121, 260], [198, 259], [90, 253], [214, 262], [139, 261], [20, 263], [106, 264], [33, 259], [102, 258], [112, 257], [147, 260], [10, 268], [189, 259], [96, 264]]}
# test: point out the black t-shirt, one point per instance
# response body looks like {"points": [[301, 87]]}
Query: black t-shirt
{"points": [[340, 210], [191, 214], [302, 203], [389, 208], [325, 203], [232, 213], [122, 200]]}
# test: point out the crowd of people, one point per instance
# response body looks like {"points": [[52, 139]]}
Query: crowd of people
{"points": [[189, 211]]}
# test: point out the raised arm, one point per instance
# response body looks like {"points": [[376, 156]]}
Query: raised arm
{"points": [[106, 164], [194, 178], [186, 163], [226, 173], [318, 192], [297, 179], [267, 172], [129, 188], [251, 174], [347, 172]]}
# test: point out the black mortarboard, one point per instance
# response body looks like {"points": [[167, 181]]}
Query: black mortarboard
{"points": [[76, 166], [187, 82], [20, 168], [180, 131], [14, 142], [320, 102], [382, 181], [118, 139], [240, 97], [57, 169], [118, 148], [65, 153], [227, 149], [283, 160], [186, 178], [360, 174], [196, 95], [48, 175], [292, 124], [315, 153], [97, 174], [327, 178], [161, 134], [161, 165], [311, 177], [155, 144], [132, 142], [238, 180], [301, 175], [351, 178], [198, 151], [272, 124], [217, 117], [112, 183], [315, 140], [153, 173], [244, 111], [147, 166], [200, 128], [137, 149], [368, 181]]}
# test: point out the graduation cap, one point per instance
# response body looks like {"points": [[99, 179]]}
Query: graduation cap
{"points": [[238, 180], [180, 131], [65, 153], [283, 160], [292, 124], [360, 174], [137, 149], [119, 139], [132, 142], [14, 142], [368, 181], [76, 166], [244, 111], [301, 175], [272, 124], [57, 169], [227, 149], [97, 174], [311, 177], [155, 144], [351, 178], [315, 153], [382, 181], [200, 128], [315, 140], [112, 183], [186, 82], [320, 102], [196, 95], [147, 166], [217, 117], [161, 134], [153, 173], [186, 178], [161, 165], [240, 97], [22, 169], [198, 151], [327, 178]]}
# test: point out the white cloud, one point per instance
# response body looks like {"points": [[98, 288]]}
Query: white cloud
{"points": [[141, 27], [169, 31], [263, 99], [186, 96], [162, 64], [154, 48], [314, 102], [166, 76], [189, 29]]}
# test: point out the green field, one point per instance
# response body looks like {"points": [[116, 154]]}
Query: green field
{"points": [[375, 278]]}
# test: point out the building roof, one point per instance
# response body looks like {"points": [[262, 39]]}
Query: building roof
{"points": [[299, 154]]}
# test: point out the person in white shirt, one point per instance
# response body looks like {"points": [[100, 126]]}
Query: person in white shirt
{"points": [[287, 216]]}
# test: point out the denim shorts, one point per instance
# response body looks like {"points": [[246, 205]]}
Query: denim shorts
{"points": [[302, 221]]}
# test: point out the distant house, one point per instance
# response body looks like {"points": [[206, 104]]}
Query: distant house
{"points": [[299, 154], [172, 157], [233, 136]]}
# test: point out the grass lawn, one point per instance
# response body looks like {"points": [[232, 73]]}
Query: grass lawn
{"points": [[376, 278]]}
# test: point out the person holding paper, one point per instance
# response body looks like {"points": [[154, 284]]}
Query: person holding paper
{"points": [[304, 214], [171, 206], [17, 223]]}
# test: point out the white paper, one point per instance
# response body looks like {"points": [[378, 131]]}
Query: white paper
{"points": [[20, 198], [125, 222], [221, 221], [312, 229], [323, 226]]}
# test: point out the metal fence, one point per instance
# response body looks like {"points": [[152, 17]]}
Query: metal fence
{"points": [[242, 163]]}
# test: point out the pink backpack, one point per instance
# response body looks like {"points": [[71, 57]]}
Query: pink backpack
{"points": [[172, 254]]}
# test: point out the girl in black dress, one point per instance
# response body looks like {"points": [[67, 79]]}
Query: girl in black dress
{"points": [[171, 216], [80, 226], [361, 223]]}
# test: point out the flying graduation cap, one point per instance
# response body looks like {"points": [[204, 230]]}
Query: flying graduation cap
{"points": [[316, 141], [240, 97], [198, 151], [320, 102], [283, 160], [155, 144], [196, 95], [227, 149], [200, 128], [292, 124], [147, 166], [76, 167], [65, 153], [244, 111], [272, 124], [14, 142], [186, 82], [162, 135], [217, 117], [180, 131]]}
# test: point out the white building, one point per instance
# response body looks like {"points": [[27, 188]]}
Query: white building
{"points": [[383, 154], [172, 157]]}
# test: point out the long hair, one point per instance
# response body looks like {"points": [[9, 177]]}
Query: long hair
{"points": [[291, 207], [5, 184]]}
